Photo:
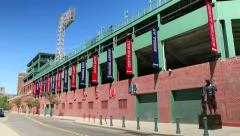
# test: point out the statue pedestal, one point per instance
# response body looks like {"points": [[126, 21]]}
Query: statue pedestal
{"points": [[213, 121]]}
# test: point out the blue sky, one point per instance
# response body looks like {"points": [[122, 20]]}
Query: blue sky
{"points": [[30, 26]]}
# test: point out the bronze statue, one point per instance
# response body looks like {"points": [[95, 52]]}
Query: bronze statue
{"points": [[209, 90]]}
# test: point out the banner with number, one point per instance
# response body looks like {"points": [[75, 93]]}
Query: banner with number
{"points": [[59, 81], [65, 80], [155, 48], [73, 77], [83, 74], [211, 27], [95, 69], [110, 64], [129, 67]]}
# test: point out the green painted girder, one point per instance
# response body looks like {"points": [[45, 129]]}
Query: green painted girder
{"points": [[166, 31]]}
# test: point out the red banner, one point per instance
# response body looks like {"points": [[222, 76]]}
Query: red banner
{"points": [[129, 68], [59, 81], [211, 26], [95, 69], [40, 88], [73, 77], [49, 84], [34, 89]]}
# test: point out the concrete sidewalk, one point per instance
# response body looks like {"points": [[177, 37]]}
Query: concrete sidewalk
{"points": [[168, 129], [148, 127], [6, 131]]}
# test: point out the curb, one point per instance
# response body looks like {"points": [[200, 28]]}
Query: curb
{"points": [[124, 129], [108, 127]]}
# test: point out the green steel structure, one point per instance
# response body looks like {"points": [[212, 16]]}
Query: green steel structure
{"points": [[36, 64], [183, 39]]}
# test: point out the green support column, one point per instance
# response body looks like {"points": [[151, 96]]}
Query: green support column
{"points": [[230, 49], [69, 79], [114, 62], [78, 70], [219, 38], [62, 81], [87, 75], [99, 69], [219, 32], [134, 55], [161, 52]]}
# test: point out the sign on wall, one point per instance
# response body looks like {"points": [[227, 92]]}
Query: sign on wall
{"points": [[129, 67], [59, 81], [110, 64], [65, 80], [95, 69], [155, 49], [211, 27], [73, 77], [83, 74]]}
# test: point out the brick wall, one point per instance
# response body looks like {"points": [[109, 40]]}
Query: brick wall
{"points": [[225, 73]]}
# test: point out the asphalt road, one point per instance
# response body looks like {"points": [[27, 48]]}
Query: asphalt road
{"points": [[40, 126]]}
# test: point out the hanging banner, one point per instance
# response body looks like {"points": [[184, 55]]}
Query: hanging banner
{"points": [[155, 49], [45, 85], [83, 74], [65, 80], [41, 87], [129, 68], [73, 77], [95, 69], [37, 88], [49, 84], [53, 83], [211, 27], [59, 81], [110, 64], [34, 89]]}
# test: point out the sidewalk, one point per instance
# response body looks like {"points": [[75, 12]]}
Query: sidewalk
{"points": [[148, 127], [5, 131]]}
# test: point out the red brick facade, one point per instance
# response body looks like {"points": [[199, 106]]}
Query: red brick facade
{"points": [[225, 73]]}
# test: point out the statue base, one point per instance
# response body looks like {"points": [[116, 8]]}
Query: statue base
{"points": [[213, 121]]}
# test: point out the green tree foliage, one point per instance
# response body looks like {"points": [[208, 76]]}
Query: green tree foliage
{"points": [[18, 103], [4, 102], [52, 98]]}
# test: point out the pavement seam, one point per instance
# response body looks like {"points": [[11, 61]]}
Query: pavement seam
{"points": [[57, 128]]}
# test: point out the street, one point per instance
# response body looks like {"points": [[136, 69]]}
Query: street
{"points": [[41, 126]]}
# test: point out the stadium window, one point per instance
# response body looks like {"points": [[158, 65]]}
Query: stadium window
{"points": [[122, 103], [70, 105], [104, 104], [79, 105], [90, 105], [63, 105]]}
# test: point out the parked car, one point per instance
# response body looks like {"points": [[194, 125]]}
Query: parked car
{"points": [[2, 113]]}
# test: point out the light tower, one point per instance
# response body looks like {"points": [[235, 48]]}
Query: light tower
{"points": [[64, 21]]}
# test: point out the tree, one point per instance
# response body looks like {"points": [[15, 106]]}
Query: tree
{"points": [[18, 103], [4, 102], [52, 100], [30, 102]]}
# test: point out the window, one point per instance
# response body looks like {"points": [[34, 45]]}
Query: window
{"points": [[122, 103], [90, 105], [70, 105], [104, 104], [63, 105], [79, 105]]}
